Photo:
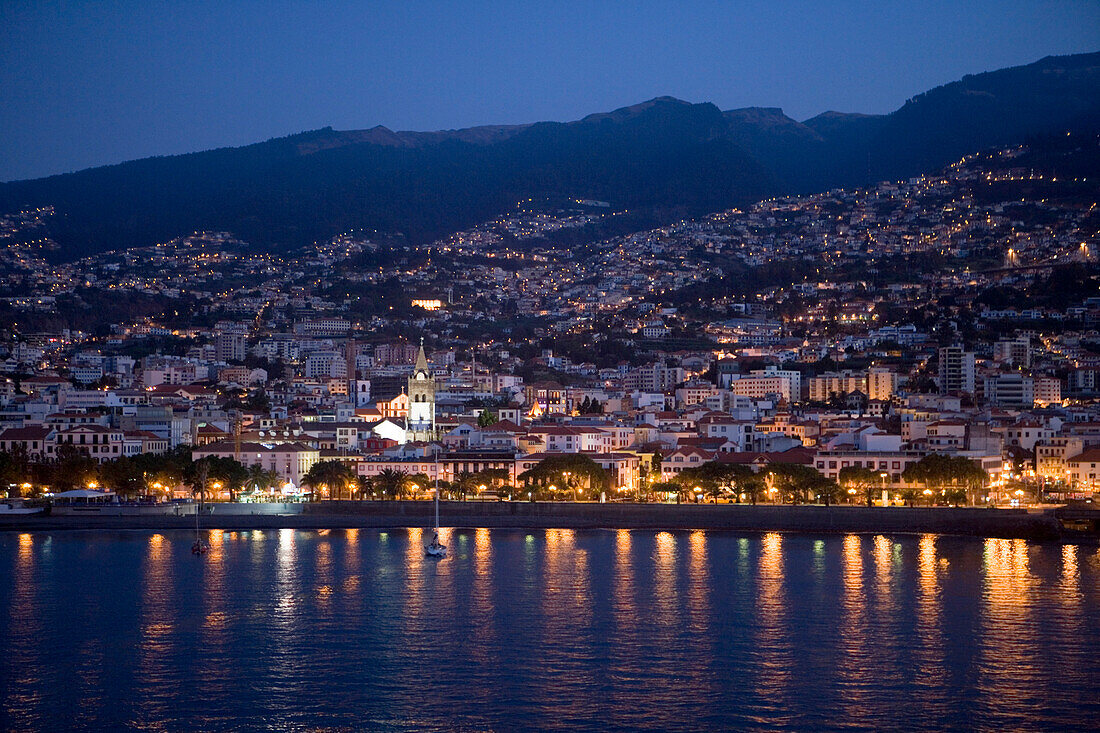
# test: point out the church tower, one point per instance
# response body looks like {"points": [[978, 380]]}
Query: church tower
{"points": [[421, 424]]}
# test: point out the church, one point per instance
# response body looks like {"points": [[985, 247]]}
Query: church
{"points": [[421, 421]]}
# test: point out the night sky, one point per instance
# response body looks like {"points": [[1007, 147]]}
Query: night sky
{"points": [[85, 83]]}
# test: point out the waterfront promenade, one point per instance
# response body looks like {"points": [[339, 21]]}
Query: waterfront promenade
{"points": [[982, 522]]}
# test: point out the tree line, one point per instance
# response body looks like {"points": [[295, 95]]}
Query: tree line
{"points": [[569, 476]]}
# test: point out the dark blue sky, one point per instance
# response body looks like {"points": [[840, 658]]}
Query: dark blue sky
{"points": [[87, 83]]}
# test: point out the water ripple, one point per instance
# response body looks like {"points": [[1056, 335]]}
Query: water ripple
{"points": [[548, 630]]}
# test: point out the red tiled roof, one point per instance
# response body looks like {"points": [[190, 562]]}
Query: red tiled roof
{"points": [[793, 455], [31, 432], [1092, 455], [502, 426]]}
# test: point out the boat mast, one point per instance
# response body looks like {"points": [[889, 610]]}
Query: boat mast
{"points": [[202, 470]]}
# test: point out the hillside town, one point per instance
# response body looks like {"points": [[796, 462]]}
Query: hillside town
{"points": [[930, 341]]}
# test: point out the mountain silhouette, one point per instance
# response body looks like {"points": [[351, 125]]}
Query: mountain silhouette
{"points": [[662, 159]]}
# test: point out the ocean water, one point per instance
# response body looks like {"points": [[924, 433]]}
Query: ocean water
{"points": [[546, 630]]}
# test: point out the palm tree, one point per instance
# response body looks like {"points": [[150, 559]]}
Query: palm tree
{"points": [[390, 482], [956, 496], [334, 475], [261, 479], [363, 485], [464, 483], [199, 473], [418, 482]]}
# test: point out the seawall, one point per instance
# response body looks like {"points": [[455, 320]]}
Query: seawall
{"points": [[1003, 523]]}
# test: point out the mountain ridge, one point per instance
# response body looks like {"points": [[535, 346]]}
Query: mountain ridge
{"points": [[663, 158]]}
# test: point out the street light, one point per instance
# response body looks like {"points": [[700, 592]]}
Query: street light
{"points": [[885, 496]]}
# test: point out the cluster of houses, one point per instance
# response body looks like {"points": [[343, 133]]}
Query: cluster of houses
{"points": [[659, 360], [444, 420]]}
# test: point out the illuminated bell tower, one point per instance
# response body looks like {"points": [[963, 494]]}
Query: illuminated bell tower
{"points": [[421, 423]]}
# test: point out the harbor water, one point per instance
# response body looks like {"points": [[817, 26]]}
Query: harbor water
{"points": [[546, 630]]}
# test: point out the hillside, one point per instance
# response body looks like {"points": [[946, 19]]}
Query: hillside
{"points": [[663, 159]]}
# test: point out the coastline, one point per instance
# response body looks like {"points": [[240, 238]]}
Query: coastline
{"points": [[974, 522]]}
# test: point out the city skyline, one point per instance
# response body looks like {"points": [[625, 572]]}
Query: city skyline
{"points": [[650, 406]]}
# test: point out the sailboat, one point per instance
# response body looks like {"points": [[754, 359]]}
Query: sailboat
{"points": [[200, 547], [435, 548]]}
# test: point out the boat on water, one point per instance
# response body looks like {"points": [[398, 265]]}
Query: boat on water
{"points": [[200, 547], [436, 548], [17, 506]]}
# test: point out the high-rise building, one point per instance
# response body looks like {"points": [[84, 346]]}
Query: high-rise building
{"points": [[1048, 391], [956, 370], [825, 386], [1015, 351], [763, 387], [1011, 389], [230, 346], [325, 365], [394, 354], [653, 378], [882, 383], [794, 377]]}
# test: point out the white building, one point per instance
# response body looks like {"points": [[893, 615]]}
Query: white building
{"points": [[1010, 389], [757, 387], [824, 386], [882, 383], [1016, 352], [789, 374], [230, 346], [1048, 391], [326, 365], [291, 461], [956, 370]]}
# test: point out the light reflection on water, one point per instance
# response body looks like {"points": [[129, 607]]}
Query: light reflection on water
{"points": [[931, 676], [554, 629], [158, 630], [482, 621], [772, 658], [853, 651]]}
